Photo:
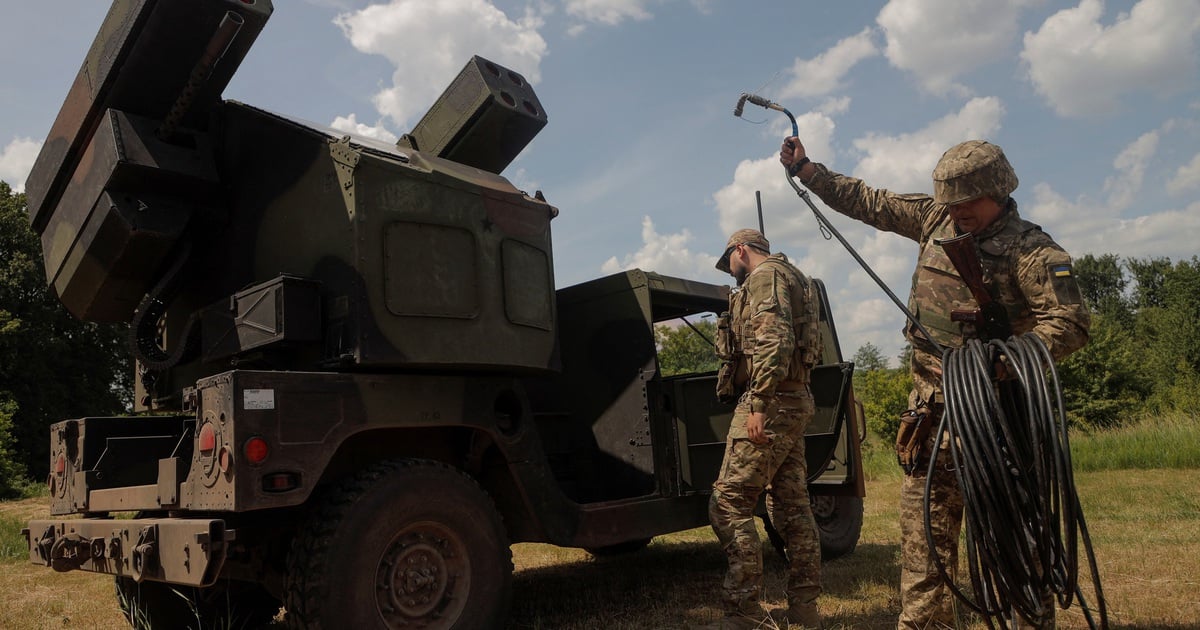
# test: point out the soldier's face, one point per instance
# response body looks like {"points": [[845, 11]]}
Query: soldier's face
{"points": [[737, 264], [975, 215]]}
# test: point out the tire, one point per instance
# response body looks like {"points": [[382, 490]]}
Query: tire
{"points": [[401, 544], [228, 604], [839, 523], [629, 546], [839, 519]]}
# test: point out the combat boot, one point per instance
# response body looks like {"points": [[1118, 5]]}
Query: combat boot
{"points": [[797, 617]]}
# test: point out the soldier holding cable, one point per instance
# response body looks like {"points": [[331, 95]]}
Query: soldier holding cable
{"points": [[1024, 270]]}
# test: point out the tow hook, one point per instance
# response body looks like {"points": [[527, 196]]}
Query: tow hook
{"points": [[70, 551], [145, 553]]}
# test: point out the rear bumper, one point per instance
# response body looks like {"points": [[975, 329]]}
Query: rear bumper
{"points": [[179, 551]]}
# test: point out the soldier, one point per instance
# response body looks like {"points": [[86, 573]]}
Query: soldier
{"points": [[768, 343], [1023, 268]]}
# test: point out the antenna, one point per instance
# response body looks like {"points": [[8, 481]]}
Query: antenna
{"points": [[758, 200]]}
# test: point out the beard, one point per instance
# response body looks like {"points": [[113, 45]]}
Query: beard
{"points": [[740, 275]]}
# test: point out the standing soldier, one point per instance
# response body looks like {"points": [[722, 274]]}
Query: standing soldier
{"points": [[768, 343], [1023, 269]]}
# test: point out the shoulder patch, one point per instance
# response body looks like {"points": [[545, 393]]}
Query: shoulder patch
{"points": [[1063, 283]]}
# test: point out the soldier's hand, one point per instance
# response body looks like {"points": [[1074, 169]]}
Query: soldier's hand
{"points": [[791, 151], [756, 427]]}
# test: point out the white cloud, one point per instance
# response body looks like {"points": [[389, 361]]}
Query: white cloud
{"points": [[1186, 178], [1130, 171], [608, 12], [1169, 233], [429, 41], [1099, 226], [17, 160], [1084, 68], [350, 124], [939, 41], [735, 202], [823, 74], [904, 163], [667, 254]]}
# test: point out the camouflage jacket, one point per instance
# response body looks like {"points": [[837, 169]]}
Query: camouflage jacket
{"points": [[1023, 268], [773, 324]]}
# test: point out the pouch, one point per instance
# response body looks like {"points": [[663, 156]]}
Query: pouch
{"points": [[915, 425]]}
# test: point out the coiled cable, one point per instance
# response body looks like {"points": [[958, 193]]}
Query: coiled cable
{"points": [[1010, 452]]}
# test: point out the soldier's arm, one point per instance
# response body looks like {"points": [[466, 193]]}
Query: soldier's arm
{"points": [[892, 212], [1047, 279], [774, 339]]}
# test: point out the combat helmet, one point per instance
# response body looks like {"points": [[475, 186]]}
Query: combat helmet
{"points": [[971, 170], [746, 236]]}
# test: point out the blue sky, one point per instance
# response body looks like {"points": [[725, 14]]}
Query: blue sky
{"points": [[1096, 103]]}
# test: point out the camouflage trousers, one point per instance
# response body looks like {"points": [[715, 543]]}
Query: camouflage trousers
{"points": [[926, 601], [779, 469]]}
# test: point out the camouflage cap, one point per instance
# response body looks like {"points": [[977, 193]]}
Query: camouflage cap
{"points": [[747, 236], [971, 170]]}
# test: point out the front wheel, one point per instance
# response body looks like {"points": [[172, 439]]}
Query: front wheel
{"points": [[401, 544], [839, 519]]}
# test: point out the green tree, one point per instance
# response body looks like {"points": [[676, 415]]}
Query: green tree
{"points": [[1149, 276], [883, 392], [11, 471], [1102, 383], [1102, 282], [884, 395], [1168, 328], [869, 358], [52, 366], [682, 350]]}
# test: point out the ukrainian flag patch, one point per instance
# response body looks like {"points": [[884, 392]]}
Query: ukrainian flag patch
{"points": [[1062, 282]]}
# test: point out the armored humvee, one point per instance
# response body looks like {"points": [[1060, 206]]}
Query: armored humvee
{"points": [[357, 383]]}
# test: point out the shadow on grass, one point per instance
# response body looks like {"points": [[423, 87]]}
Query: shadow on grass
{"points": [[675, 585]]}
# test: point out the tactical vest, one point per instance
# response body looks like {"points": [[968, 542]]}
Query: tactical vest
{"points": [[735, 333], [937, 289]]}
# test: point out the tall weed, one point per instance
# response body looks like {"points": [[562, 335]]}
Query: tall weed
{"points": [[1169, 441], [12, 542]]}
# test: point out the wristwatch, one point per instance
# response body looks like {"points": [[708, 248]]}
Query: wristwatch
{"points": [[799, 164]]}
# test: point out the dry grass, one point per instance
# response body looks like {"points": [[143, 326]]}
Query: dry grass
{"points": [[1144, 525]]}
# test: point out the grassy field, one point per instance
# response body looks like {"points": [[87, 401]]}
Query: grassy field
{"points": [[1145, 525]]}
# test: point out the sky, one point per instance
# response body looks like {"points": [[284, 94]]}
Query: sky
{"points": [[1096, 103]]}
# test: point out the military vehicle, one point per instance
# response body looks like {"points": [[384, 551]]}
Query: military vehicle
{"points": [[357, 384]]}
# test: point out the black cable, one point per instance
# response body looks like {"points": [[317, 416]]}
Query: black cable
{"points": [[1011, 455]]}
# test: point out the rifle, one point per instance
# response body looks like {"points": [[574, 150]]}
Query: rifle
{"points": [[990, 319]]}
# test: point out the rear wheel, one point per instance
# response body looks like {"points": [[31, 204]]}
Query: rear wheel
{"points": [[227, 604], [402, 544]]}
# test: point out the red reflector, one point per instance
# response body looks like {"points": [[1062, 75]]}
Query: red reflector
{"points": [[255, 450], [280, 482], [207, 440], [225, 459], [60, 465]]}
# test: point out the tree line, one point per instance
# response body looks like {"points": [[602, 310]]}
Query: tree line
{"points": [[52, 366]]}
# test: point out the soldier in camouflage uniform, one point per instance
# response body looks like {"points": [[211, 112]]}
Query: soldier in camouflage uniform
{"points": [[1023, 269], [768, 343]]}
